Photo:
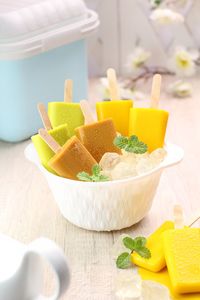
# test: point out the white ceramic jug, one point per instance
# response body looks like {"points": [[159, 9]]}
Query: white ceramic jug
{"points": [[21, 269]]}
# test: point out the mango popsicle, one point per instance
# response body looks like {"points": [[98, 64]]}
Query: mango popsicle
{"points": [[182, 254], [116, 109], [60, 134], [66, 112], [97, 137], [155, 243], [150, 124], [181, 248], [70, 159]]}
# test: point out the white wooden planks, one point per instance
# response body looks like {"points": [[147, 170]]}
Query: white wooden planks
{"points": [[126, 22]]}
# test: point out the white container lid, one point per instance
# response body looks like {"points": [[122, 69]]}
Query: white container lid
{"points": [[30, 27]]}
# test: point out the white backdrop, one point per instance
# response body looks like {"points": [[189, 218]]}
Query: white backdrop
{"points": [[124, 23]]}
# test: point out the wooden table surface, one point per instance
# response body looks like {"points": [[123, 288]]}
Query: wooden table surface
{"points": [[28, 210]]}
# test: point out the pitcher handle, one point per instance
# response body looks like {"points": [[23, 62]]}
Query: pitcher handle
{"points": [[50, 252]]}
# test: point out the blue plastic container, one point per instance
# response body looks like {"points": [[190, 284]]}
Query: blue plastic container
{"points": [[37, 74]]}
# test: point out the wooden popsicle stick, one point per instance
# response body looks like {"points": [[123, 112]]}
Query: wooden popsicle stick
{"points": [[55, 147], [44, 116], [193, 220], [178, 217], [113, 85], [155, 91], [86, 110], [68, 91]]}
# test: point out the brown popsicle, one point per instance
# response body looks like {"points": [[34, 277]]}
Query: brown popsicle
{"points": [[70, 159], [97, 137]]}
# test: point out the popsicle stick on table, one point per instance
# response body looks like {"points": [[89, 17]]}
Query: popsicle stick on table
{"points": [[70, 159], [116, 109], [66, 112], [150, 124], [97, 137]]}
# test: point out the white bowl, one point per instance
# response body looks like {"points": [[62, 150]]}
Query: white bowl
{"points": [[106, 206]]}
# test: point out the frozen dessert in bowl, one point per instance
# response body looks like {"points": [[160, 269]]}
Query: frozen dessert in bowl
{"points": [[102, 179], [109, 205]]}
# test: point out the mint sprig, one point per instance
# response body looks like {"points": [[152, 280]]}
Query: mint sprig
{"points": [[137, 245], [95, 177], [130, 144]]}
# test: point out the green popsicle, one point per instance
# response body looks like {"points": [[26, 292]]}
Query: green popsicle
{"points": [[59, 133], [66, 112]]}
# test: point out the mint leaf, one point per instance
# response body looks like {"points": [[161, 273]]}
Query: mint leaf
{"points": [[83, 176], [131, 144], [120, 141], [123, 260], [96, 169], [95, 177], [129, 243], [143, 252], [140, 241]]}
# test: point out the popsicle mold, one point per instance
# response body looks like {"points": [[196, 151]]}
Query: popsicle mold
{"points": [[106, 206]]}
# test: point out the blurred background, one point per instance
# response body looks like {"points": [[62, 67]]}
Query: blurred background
{"points": [[160, 27]]}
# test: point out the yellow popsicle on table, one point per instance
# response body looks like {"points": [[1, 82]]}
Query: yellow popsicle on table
{"points": [[70, 159], [116, 109], [60, 134], [150, 124], [155, 244], [67, 111], [97, 137], [182, 254]]}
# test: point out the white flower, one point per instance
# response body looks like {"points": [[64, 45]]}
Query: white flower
{"points": [[166, 16], [138, 58], [183, 61], [181, 89]]}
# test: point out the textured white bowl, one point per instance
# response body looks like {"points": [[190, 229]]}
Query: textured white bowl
{"points": [[106, 206]]}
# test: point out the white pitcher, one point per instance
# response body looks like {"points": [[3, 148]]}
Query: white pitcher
{"points": [[21, 269]]}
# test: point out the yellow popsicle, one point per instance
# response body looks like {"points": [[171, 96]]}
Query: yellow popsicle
{"points": [[162, 277], [116, 109], [154, 244], [150, 124], [182, 254], [66, 112]]}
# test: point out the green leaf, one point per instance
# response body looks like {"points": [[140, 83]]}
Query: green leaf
{"points": [[143, 252], [140, 241], [123, 260], [96, 169], [120, 141], [83, 176], [129, 243], [131, 144], [95, 177]]}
